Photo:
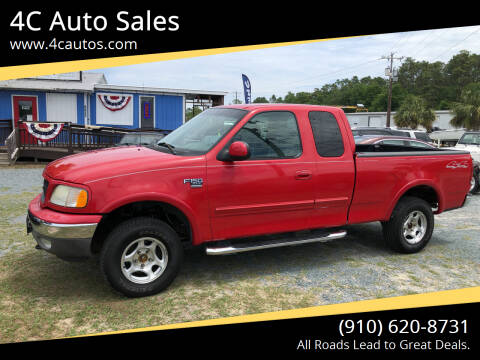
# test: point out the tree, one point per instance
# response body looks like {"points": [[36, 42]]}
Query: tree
{"points": [[438, 84], [414, 112], [467, 110], [380, 102], [461, 70], [260, 100], [191, 112]]}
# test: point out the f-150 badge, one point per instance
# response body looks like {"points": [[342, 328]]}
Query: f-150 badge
{"points": [[194, 183]]}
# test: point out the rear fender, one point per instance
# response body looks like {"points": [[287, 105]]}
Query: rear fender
{"points": [[411, 185]]}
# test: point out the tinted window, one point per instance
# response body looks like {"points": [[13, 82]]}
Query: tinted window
{"points": [[271, 135], [470, 139], [422, 136], [419, 145], [375, 132], [400, 133], [328, 139], [394, 142]]}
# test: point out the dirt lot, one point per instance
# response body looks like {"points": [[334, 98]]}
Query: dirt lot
{"points": [[43, 297]]}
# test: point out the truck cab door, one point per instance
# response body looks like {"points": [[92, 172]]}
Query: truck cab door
{"points": [[272, 190], [334, 176]]}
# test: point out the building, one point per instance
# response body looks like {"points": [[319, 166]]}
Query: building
{"points": [[379, 119], [86, 98]]}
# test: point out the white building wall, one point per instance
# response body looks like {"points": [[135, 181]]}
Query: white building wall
{"points": [[379, 119], [105, 116], [61, 107]]}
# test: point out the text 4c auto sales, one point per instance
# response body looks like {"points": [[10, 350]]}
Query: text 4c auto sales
{"points": [[125, 21]]}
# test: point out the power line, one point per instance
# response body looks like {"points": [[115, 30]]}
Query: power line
{"points": [[402, 39], [328, 74], [443, 53], [418, 44], [429, 43]]}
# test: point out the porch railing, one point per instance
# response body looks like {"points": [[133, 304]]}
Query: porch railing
{"points": [[73, 138], [12, 147]]}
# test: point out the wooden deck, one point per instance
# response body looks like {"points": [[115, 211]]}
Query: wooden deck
{"points": [[71, 140]]}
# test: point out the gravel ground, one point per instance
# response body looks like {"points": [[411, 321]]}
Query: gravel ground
{"points": [[18, 180], [44, 297]]}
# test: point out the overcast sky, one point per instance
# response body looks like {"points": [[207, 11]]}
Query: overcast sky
{"points": [[297, 67]]}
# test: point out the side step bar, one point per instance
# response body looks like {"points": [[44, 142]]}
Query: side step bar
{"points": [[259, 245]]}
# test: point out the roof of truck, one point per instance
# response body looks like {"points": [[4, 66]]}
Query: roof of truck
{"points": [[264, 106]]}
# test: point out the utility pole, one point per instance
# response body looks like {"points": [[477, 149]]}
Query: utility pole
{"points": [[390, 73]]}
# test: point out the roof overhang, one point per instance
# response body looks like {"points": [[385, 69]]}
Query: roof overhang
{"points": [[160, 91]]}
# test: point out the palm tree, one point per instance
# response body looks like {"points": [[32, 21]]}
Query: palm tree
{"points": [[414, 112], [467, 111]]}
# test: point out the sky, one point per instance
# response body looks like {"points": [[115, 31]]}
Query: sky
{"points": [[297, 67]]}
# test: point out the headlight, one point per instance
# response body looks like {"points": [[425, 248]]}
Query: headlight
{"points": [[69, 196]]}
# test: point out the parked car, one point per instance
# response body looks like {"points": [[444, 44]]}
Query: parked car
{"points": [[230, 178], [391, 143], [361, 131], [141, 138], [415, 134], [470, 141], [418, 134]]}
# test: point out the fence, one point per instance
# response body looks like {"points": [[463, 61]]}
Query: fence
{"points": [[73, 138], [5, 130]]}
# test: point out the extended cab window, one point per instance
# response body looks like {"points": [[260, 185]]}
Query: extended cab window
{"points": [[327, 135], [271, 135]]}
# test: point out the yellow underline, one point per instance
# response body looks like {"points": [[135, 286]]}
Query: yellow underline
{"points": [[448, 297], [24, 71]]}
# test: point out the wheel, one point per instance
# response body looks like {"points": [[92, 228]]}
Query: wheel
{"points": [[474, 185], [410, 227], [141, 257]]}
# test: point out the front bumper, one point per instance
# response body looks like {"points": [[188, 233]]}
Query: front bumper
{"points": [[69, 239]]}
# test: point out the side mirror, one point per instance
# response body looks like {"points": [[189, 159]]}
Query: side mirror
{"points": [[237, 151]]}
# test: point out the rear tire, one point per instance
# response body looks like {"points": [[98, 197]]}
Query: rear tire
{"points": [[141, 257], [475, 184], [410, 226]]}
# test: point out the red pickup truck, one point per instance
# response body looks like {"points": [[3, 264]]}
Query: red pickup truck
{"points": [[239, 178]]}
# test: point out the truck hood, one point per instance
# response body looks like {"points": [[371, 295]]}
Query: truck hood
{"points": [[106, 163]]}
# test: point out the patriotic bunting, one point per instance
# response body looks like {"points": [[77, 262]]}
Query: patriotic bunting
{"points": [[114, 102], [43, 131]]}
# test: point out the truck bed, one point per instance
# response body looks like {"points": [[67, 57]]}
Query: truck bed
{"points": [[382, 177]]}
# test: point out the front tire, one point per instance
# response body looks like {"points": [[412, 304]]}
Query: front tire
{"points": [[410, 227], [141, 257]]}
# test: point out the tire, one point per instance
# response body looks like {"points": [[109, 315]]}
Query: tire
{"points": [[410, 226], [475, 184], [141, 257]]}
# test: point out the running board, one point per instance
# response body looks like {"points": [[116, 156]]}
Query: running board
{"points": [[268, 244]]}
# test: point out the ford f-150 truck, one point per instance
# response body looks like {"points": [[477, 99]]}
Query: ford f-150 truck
{"points": [[239, 178]]}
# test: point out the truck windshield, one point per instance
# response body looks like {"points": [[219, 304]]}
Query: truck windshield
{"points": [[470, 139], [203, 132]]}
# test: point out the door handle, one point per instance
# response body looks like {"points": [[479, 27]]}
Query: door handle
{"points": [[303, 175]]}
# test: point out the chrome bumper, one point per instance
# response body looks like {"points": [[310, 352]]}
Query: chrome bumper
{"points": [[67, 241]]}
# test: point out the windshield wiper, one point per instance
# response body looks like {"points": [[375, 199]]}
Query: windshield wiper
{"points": [[170, 147]]}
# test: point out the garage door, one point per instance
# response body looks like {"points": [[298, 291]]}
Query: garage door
{"points": [[62, 107]]}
